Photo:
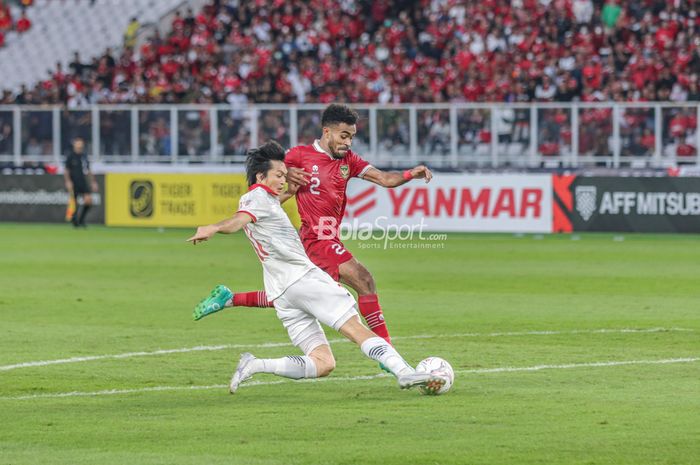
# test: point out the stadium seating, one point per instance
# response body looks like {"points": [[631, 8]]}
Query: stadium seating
{"points": [[431, 51], [60, 28]]}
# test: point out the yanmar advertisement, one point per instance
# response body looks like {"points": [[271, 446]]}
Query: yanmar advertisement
{"points": [[455, 202], [529, 204]]}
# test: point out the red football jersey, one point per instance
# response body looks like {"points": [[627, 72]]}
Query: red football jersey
{"points": [[321, 203]]}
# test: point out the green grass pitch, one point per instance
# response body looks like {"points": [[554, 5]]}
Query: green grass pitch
{"points": [[520, 396]]}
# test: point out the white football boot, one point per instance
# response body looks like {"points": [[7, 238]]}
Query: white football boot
{"points": [[242, 372], [429, 381]]}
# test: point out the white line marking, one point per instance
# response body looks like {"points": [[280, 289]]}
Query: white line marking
{"points": [[90, 358], [566, 366], [581, 365]]}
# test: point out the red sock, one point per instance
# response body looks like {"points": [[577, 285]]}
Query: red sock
{"points": [[372, 313], [251, 299]]}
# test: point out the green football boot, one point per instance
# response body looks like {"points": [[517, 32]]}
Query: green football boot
{"points": [[214, 302]]}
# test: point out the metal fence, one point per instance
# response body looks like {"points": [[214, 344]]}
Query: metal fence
{"points": [[647, 134]]}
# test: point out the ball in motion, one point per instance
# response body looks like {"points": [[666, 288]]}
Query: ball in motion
{"points": [[440, 367]]}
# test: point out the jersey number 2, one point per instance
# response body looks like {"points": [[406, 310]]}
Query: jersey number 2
{"points": [[315, 182], [339, 250]]}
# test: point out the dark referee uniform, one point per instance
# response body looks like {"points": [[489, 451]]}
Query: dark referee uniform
{"points": [[77, 165]]}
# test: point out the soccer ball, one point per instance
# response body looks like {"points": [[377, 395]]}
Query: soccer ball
{"points": [[439, 367]]}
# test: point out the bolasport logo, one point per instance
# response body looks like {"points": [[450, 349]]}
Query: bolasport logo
{"points": [[380, 233]]}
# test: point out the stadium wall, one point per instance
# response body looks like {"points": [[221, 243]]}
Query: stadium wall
{"points": [[176, 199], [531, 203], [43, 198], [659, 204], [516, 203]]}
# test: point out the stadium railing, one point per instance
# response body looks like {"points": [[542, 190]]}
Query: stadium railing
{"points": [[450, 136]]}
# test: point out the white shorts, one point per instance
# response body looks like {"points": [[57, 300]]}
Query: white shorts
{"points": [[313, 298]]}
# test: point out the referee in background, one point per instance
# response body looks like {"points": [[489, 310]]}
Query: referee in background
{"points": [[77, 165]]}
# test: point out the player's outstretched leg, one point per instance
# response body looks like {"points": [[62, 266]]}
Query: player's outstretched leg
{"points": [[214, 302], [359, 278], [250, 299], [222, 297], [380, 350], [371, 311], [291, 366]]}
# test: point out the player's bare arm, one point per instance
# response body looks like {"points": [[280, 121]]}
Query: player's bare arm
{"points": [[395, 179], [227, 226], [297, 176]]}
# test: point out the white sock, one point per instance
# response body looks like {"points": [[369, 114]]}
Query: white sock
{"points": [[378, 349], [291, 366]]}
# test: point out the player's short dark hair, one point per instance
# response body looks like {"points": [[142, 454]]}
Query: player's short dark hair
{"points": [[336, 113], [258, 160]]}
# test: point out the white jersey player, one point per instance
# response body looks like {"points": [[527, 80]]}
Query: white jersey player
{"points": [[303, 294]]}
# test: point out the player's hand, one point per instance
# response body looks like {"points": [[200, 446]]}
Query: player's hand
{"points": [[94, 186], [203, 233], [422, 172], [292, 188], [298, 176], [69, 186]]}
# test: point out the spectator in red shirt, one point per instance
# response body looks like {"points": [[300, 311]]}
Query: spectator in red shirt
{"points": [[5, 18], [23, 24]]}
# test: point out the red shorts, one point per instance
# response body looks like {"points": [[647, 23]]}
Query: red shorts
{"points": [[327, 255]]}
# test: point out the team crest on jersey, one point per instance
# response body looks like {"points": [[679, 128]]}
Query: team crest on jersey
{"points": [[344, 171]]}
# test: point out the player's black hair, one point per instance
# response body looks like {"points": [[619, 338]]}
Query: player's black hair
{"points": [[336, 113], [258, 160]]}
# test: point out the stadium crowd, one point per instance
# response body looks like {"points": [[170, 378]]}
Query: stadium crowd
{"points": [[8, 23], [402, 51]]}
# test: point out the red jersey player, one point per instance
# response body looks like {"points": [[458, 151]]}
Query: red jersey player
{"points": [[321, 172]]}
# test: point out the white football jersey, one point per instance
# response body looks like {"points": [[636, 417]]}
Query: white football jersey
{"points": [[274, 240]]}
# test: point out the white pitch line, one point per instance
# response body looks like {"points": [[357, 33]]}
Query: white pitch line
{"points": [[566, 366], [90, 358], [581, 365]]}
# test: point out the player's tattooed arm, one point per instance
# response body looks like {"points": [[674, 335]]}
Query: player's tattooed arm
{"points": [[395, 179], [227, 226]]}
